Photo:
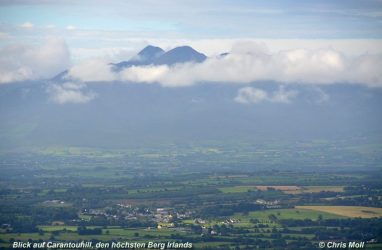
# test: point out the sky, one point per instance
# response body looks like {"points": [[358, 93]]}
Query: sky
{"points": [[40, 38]]}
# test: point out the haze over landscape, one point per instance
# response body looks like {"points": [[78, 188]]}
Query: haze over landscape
{"points": [[64, 74]]}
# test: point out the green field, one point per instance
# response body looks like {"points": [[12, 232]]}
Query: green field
{"points": [[237, 189], [348, 211], [316, 189], [292, 213], [285, 189]]}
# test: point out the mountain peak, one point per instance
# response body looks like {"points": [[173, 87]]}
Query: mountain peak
{"points": [[155, 55], [150, 52], [185, 47], [181, 54], [146, 56]]}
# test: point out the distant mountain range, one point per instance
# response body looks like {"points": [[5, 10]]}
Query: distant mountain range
{"points": [[127, 114], [157, 56]]}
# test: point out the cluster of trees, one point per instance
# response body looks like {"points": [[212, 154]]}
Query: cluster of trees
{"points": [[104, 221], [228, 209], [32, 216], [355, 229]]}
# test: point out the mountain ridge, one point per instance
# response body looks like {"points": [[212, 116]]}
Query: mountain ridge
{"points": [[157, 56], [153, 55]]}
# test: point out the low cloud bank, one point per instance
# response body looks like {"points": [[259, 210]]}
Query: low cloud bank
{"points": [[250, 95], [70, 92], [247, 63]]}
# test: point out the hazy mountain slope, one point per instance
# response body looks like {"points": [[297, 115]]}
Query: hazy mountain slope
{"points": [[127, 114]]}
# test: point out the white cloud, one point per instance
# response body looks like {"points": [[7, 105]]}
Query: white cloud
{"points": [[283, 96], [71, 27], [148, 74], [27, 25], [18, 74], [21, 62], [70, 92], [92, 71], [250, 95]]}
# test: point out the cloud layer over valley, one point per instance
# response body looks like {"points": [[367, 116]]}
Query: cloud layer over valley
{"points": [[245, 63], [70, 93]]}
